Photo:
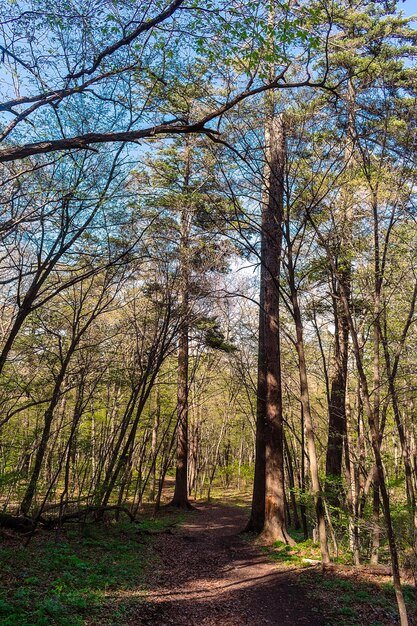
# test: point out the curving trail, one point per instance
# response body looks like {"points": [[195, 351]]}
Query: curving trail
{"points": [[210, 576]]}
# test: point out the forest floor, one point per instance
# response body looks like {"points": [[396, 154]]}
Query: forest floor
{"points": [[209, 574], [183, 569]]}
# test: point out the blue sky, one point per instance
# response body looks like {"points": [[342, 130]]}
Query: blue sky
{"points": [[409, 7]]}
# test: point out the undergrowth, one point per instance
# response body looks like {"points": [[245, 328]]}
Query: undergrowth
{"points": [[84, 572], [344, 595]]}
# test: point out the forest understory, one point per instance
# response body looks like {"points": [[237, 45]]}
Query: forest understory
{"points": [[180, 568]]}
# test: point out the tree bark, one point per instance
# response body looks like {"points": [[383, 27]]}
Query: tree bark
{"points": [[180, 498], [269, 409], [337, 401]]}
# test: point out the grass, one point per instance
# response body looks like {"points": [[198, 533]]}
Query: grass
{"points": [[346, 596], [83, 575], [97, 575], [351, 600], [230, 497], [293, 555]]}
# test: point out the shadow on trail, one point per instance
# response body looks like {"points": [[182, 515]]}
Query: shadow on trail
{"points": [[210, 575]]}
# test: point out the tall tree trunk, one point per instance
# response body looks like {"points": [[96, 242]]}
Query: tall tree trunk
{"points": [[337, 403], [180, 498], [378, 278], [257, 516], [269, 517]]}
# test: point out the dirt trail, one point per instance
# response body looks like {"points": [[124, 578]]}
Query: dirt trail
{"points": [[210, 576]]}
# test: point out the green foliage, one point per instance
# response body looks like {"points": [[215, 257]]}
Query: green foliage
{"points": [[81, 574], [213, 335], [294, 555], [345, 599]]}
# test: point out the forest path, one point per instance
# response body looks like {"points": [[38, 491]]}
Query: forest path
{"points": [[208, 575]]}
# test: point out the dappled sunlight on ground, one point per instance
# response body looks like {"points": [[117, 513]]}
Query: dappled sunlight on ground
{"points": [[210, 575]]}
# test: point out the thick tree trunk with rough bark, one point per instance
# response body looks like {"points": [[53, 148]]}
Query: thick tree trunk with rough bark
{"points": [[180, 498], [270, 443], [257, 517]]}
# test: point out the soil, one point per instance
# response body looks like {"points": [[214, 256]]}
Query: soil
{"points": [[210, 575]]}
